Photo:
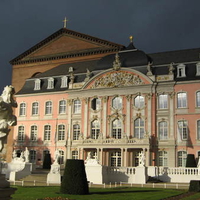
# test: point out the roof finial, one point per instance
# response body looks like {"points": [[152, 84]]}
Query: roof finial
{"points": [[65, 22], [131, 38]]}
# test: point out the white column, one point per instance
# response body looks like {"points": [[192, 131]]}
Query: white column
{"points": [[122, 156], [85, 118], [104, 128], [128, 115], [149, 109], [171, 115], [69, 127], [125, 158]]}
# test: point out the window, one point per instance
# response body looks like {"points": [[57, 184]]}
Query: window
{"points": [[62, 107], [183, 129], [75, 155], [139, 128], [35, 108], [61, 157], [37, 84], [162, 158], [136, 158], [182, 100], [198, 130], [47, 132], [117, 129], [96, 104], [61, 132], [34, 130], [181, 70], [22, 109], [139, 101], [76, 131], [95, 129], [115, 159], [163, 101], [32, 156], [64, 81], [198, 99], [182, 155], [163, 130], [50, 83], [21, 133], [48, 108], [117, 103], [77, 106]]}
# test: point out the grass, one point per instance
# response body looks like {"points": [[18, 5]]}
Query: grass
{"points": [[122, 193]]}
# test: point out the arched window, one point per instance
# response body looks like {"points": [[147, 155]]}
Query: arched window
{"points": [[64, 81], [62, 107], [163, 130], [139, 128], [198, 99], [198, 129], [96, 103], [95, 129], [37, 84], [35, 108], [117, 129], [182, 155], [22, 109], [163, 101], [48, 108], [61, 132], [76, 131], [183, 129], [34, 133], [162, 158], [139, 101], [182, 100], [21, 135], [50, 83], [77, 106], [117, 103], [47, 132]]}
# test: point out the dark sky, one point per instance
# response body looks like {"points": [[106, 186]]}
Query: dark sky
{"points": [[157, 25]]}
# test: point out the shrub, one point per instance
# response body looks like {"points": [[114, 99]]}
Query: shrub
{"points": [[194, 186], [47, 161], [191, 162], [74, 179]]}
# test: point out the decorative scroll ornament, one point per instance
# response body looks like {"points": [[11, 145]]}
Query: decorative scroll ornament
{"points": [[116, 63], [117, 79]]}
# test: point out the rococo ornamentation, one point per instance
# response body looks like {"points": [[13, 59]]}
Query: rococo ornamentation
{"points": [[117, 79]]}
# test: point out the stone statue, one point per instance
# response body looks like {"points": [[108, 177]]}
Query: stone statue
{"points": [[26, 155], [56, 156], [7, 118], [141, 159]]}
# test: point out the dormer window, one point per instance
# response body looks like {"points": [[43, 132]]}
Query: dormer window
{"points": [[37, 84], [64, 81], [198, 69], [50, 83], [181, 71]]}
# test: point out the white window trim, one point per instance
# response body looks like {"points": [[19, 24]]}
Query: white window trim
{"points": [[37, 84], [50, 83], [64, 82], [198, 69], [180, 107], [182, 68]]}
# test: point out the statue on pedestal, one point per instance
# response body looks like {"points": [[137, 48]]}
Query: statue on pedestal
{"points": [[7, 118]]}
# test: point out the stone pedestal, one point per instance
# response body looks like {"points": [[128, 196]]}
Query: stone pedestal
{"points": [[141, 175], [5, 190], [54, 175]]}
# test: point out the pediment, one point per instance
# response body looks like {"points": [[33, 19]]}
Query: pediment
{"points": [[120, 78], [65, 43]]}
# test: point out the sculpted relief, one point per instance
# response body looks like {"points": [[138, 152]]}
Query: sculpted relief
{"points": [[117, 79]]}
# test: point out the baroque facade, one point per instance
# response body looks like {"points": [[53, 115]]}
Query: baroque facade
{"points": [[86, 95]]}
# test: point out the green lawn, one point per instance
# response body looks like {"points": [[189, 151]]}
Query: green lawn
{"points": [[122, 193]]}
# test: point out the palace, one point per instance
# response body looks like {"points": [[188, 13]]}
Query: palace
{"points": [[80, 94]]}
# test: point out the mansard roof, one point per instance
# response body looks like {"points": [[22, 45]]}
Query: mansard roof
{"points": [[65, 43]]}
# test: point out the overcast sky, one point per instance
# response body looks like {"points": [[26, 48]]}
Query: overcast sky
{"points": [[157, 25]]}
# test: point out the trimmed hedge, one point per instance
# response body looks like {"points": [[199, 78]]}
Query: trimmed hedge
{"points": [[74, 179], [47, 161], [194, 186], [191, 162]]}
